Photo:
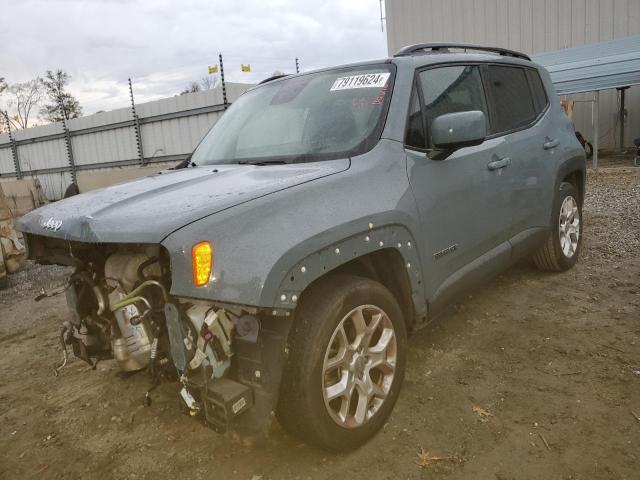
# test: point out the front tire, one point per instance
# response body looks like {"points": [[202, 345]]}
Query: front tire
{"points": [[347, 353], [560, 251]]}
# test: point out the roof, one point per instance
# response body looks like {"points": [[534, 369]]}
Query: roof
{"points": [[598, 66]]}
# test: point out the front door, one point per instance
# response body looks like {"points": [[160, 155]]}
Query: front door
{"points": [[464, 200]]}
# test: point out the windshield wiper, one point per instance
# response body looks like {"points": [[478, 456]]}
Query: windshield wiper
{"points": [[262, 162]]}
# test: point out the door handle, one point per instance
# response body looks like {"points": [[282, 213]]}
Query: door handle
{"points": [[497, 164], [550, 143]]}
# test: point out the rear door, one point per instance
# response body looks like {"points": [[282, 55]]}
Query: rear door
{"points": [[517, 109], [463, 203]]}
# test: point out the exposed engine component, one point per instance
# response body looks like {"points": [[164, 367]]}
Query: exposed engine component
{"points": [[119, 311], [126, 270], [116, 308], [121, 308], [213, 341], [123, 274], [202, 347]]}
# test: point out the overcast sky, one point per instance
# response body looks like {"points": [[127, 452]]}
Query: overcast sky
{"points": [[162, 45]]}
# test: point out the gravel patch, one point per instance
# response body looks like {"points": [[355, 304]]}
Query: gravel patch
{"points": [[612, 214], [29, 281]]}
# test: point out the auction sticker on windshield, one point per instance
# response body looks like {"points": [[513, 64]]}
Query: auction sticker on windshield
{"points": [[366, 80]]}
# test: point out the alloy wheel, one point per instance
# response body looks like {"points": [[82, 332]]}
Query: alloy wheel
{"points": [[359, 366], [569, 226]]}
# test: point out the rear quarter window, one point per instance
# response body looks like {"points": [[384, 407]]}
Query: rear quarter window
{"points": [[540, 99]]}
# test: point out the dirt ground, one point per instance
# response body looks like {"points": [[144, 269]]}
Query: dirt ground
{"points": [[532, 376]]}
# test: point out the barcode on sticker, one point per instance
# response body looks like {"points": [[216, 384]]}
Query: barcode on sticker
{"points": [[366, 80]]}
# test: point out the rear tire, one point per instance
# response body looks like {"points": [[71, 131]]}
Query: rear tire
{"points": [[348, 337], [560, 251]]}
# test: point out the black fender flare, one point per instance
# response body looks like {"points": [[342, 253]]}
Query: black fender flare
{"points": [[573, 164], [322, 261]]}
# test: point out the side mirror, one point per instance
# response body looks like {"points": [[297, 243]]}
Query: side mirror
{"points": [[452, 131]]}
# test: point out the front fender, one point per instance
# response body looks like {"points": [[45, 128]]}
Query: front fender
{"points": [[259, 245], [275, 277]]}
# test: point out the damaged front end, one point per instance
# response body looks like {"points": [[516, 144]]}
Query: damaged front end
{"points": [[121, 308]]}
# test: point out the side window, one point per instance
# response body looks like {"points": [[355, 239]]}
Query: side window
{"points": [[511, 98], [539, 94], [415, 125], [457, 88]]}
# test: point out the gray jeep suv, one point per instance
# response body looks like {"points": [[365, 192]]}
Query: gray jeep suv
{"points": [[325, 216]]}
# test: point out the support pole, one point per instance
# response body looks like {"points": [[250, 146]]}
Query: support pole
{"points": [[14, 147], [136, 125], [596, 132], [224, 85], [67, 141], [621, 119], [297, 65]]}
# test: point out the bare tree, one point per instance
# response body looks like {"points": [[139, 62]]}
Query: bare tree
{"points": [[206, 83], [3, 123], [209, 82], [192, 87], [22, 99], [55, 84]]}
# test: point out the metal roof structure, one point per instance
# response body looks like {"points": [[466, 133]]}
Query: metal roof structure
{"points": [[594, 67]]}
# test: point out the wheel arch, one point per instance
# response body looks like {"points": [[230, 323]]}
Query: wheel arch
{"points": [[386, 266], [386, 254], [574, 171]]}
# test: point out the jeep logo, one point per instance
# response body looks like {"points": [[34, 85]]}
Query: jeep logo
{"points": [[52, 224]]}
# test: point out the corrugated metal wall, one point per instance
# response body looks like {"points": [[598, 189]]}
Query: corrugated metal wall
{"points": [[104, 143], [531, 26]]}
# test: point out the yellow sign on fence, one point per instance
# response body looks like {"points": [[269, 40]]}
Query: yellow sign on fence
{"points": [[245, 68], [213, 69]]}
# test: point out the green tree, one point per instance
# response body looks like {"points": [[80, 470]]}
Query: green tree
{"points": [[55, 87]]}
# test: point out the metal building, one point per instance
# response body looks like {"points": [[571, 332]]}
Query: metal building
{"points": [[530, 26]]}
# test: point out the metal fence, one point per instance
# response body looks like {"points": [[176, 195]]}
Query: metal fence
{"points": [[110, 146]]}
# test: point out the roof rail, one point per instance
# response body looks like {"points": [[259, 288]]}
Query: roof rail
{"points": [[444, 48]]}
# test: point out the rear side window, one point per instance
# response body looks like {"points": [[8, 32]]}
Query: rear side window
{"points": [[457, 88], [537, 88], [512, 100]]}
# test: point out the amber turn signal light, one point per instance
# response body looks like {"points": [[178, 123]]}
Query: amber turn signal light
{"points": [[202, 258]]}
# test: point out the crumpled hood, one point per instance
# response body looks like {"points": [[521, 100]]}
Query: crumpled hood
{"points": [[148, 209]]}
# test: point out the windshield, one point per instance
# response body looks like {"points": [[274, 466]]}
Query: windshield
{"points": [[318, 116]]}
